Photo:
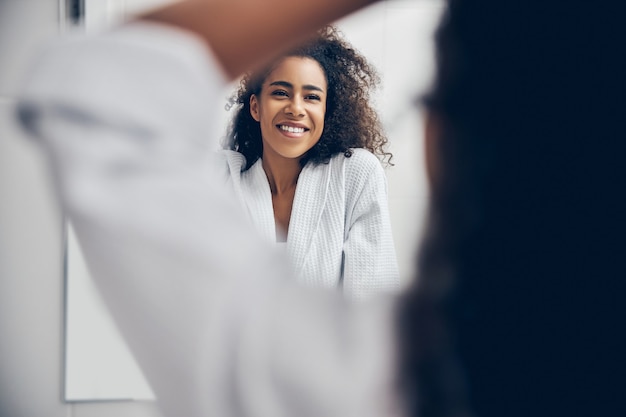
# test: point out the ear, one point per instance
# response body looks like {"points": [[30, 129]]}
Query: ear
{"points": [[254, 107]]}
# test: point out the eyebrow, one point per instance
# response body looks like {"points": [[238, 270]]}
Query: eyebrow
{"points": [[289, 85]]}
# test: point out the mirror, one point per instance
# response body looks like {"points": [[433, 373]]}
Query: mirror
{"points": [[396, 36]]}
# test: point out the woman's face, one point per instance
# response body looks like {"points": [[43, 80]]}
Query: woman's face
{"points": [[291, 107]]}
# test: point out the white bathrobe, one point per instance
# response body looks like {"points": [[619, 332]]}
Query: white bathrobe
{"points": [[339, 232]]}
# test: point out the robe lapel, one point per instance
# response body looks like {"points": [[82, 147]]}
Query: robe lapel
{"points": [[257, 197], [306, 213]]}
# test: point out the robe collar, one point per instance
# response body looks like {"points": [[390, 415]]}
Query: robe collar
{"points": [[308, 206]]}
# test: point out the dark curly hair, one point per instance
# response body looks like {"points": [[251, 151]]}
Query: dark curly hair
{"points": [[515, 312], [350, 121]]}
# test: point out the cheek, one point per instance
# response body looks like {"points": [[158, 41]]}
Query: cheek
{"points": [[321, 117], [321, 121]]}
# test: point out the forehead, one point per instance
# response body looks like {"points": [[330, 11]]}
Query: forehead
{"points": [[298, 71]]}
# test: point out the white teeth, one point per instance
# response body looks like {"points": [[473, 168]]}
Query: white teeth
{"points": [[291, 129]]}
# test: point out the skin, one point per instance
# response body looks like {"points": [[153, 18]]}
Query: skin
{"points": [[245, 33], [290, 109]]}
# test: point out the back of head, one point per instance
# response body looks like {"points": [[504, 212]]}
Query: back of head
{"points": [[517, 307]]}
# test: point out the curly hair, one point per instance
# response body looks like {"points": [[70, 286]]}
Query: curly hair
{"points": [[349, 122]]}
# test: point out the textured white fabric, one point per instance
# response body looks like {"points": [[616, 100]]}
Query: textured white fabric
{"points": [[208, 309], [339, 232]]}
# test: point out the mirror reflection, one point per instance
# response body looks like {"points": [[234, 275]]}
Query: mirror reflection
{"points": [[98, 364]]}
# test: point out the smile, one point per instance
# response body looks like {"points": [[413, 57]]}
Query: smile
{"points": [[292, 129]]}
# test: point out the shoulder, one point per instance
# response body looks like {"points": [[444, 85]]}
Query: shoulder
{"points": [[361, 165], [362, 174], [235, 161], [226, 164]]}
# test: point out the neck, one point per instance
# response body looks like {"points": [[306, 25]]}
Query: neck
{"points": [[282, 174]]}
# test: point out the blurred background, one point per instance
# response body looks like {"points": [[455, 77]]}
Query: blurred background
{"points": [[396, 35]]}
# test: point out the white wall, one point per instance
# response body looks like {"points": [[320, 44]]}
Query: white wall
{"points": [[31, 252], [31, 290]]}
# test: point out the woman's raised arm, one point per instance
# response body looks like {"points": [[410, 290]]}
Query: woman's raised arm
{"points": [[245, 33]]}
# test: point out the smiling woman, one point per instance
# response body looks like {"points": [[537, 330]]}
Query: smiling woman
{"points": [[301, 159]]}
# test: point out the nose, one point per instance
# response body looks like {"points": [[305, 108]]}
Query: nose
{"points": [[295, 107]]}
